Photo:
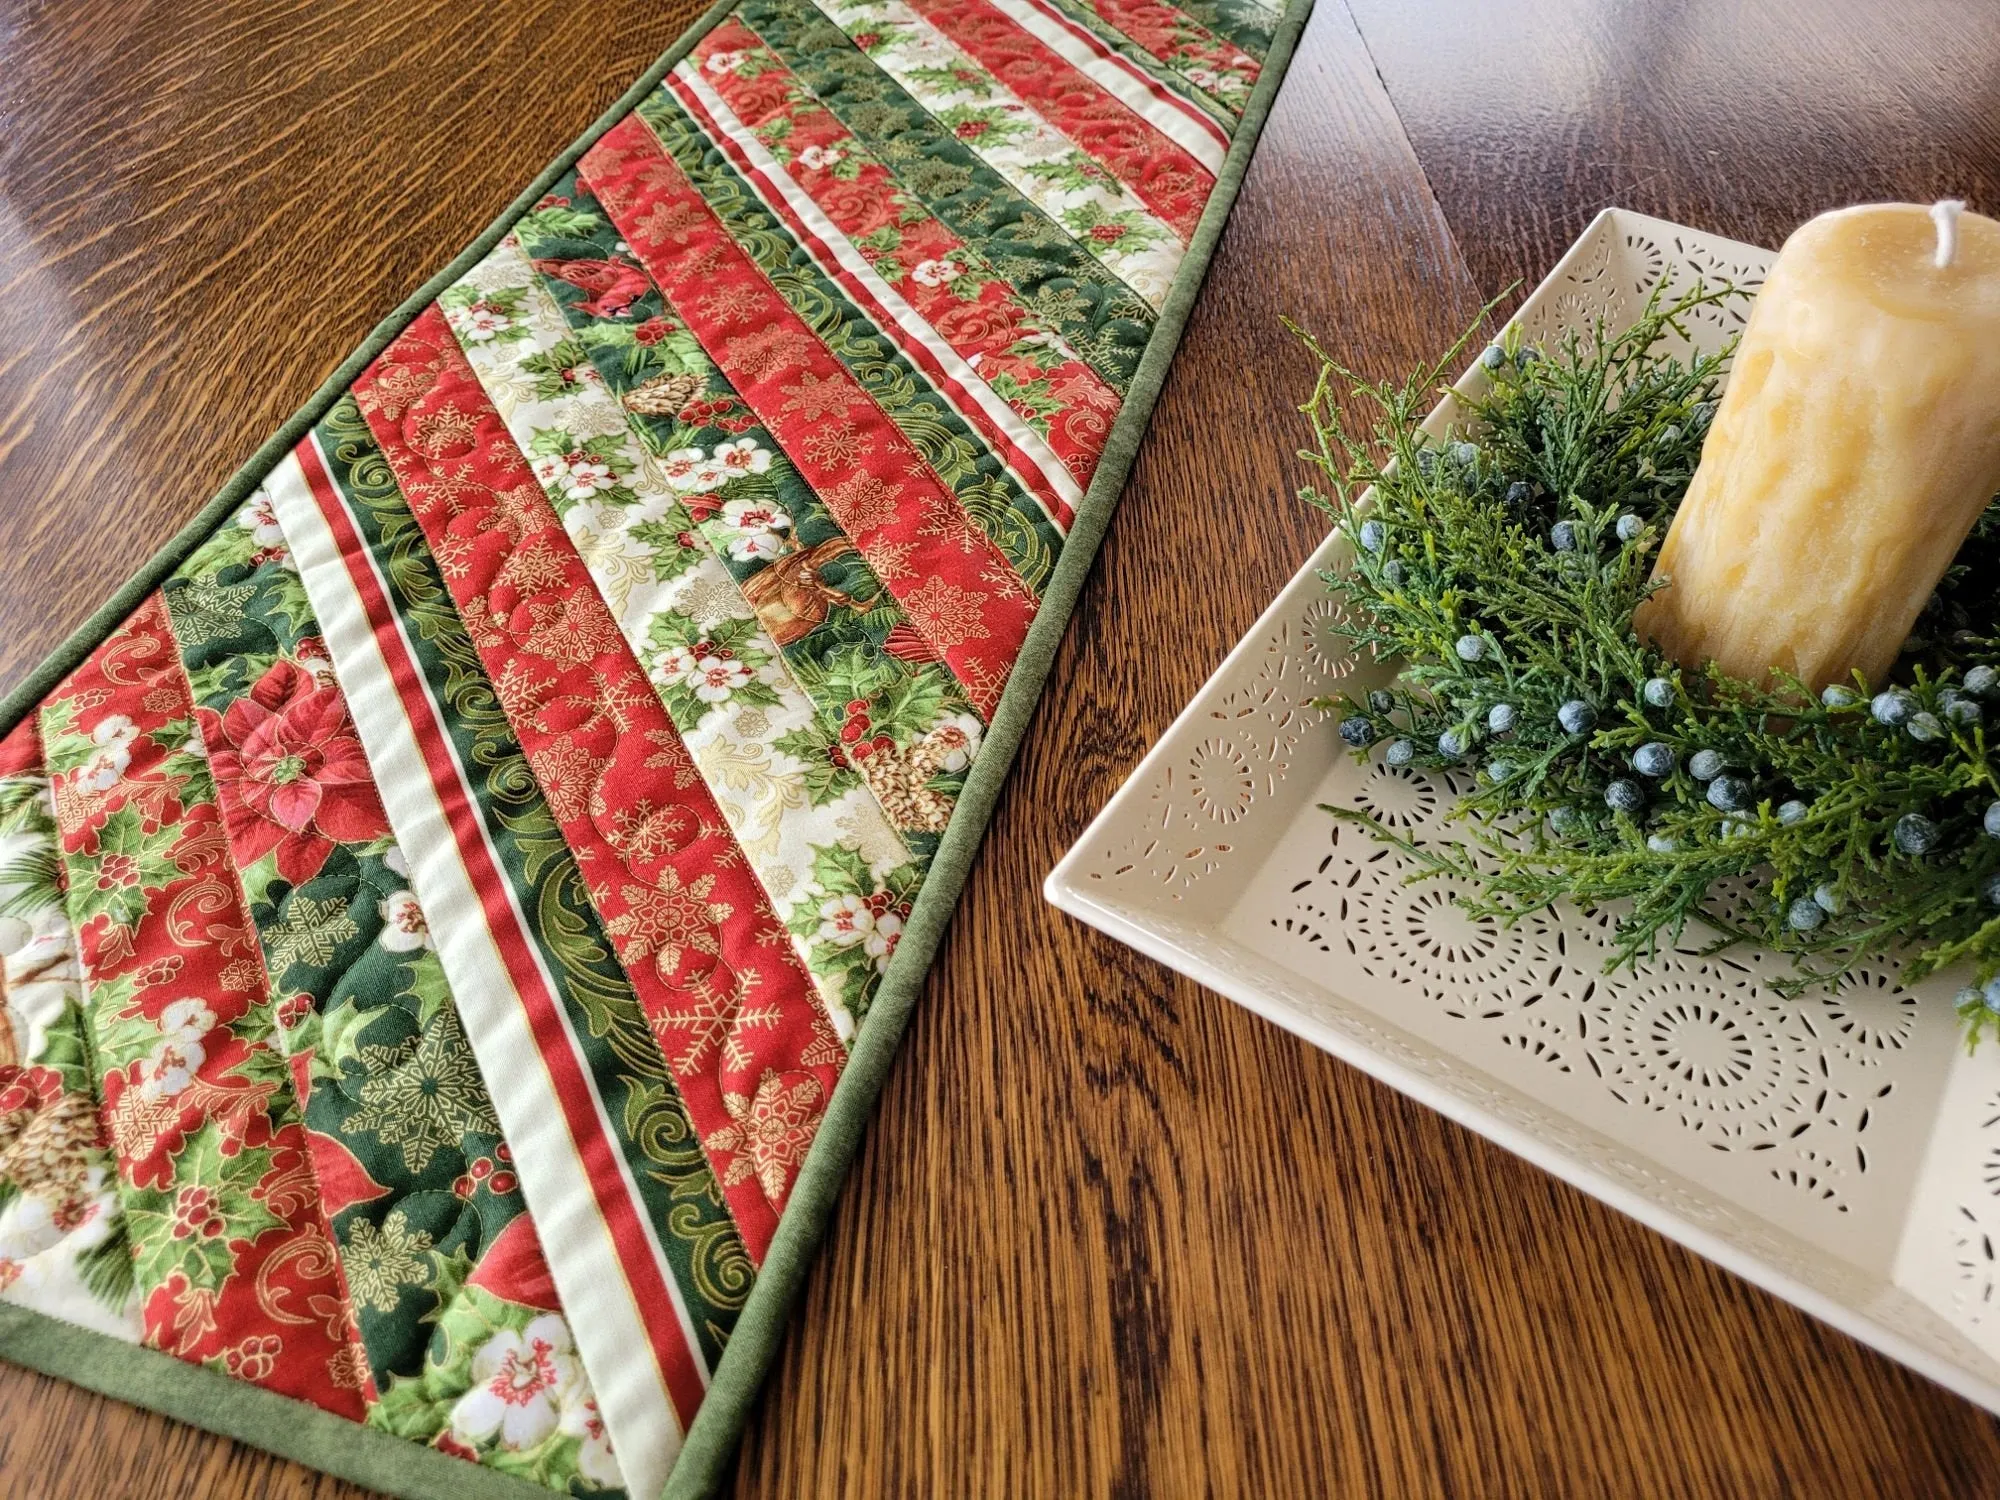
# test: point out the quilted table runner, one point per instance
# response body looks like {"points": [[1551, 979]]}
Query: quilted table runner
{"points": [[458, 904]]}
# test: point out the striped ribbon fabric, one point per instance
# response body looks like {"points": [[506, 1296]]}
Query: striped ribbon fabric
{"points": [[456, 902]]}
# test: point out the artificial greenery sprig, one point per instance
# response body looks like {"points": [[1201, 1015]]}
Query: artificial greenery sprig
{"points": [[1498, 565]]}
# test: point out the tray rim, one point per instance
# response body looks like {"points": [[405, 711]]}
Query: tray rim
{"points": [[1067, 888]]}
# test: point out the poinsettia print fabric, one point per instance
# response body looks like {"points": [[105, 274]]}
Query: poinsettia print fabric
{"points": [[231, 1250], [417, 1182], [435, 924]]}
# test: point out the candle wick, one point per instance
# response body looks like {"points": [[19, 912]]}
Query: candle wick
{"points": [[1944, 213]]}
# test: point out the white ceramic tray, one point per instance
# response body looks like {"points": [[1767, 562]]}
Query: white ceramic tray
{"points": [[1842, 1151]]}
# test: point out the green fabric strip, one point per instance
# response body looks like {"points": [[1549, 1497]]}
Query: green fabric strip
{"points": [[1244, 23], [658, 1140], [843, 657], [392, 1464], [248, 1413], [1104, 320], [60, 662], [424, 1184], [992, 496], [55, 1166]]}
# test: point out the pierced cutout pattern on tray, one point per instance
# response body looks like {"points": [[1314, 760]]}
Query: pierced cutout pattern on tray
{"points": [[1840, 1147]]}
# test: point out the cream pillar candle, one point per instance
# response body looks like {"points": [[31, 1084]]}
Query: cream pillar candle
{"points": [[1857, 442]]}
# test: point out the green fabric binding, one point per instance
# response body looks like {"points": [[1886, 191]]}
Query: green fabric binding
{"points": [[295, 1430], [235, 1408]]}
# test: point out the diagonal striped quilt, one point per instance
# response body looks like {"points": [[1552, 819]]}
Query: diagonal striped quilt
{"points": [[457, 906]]}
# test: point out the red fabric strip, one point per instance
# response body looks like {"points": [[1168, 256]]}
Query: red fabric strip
{"points": [[21, 750], [871, 307], [189, 964], [1164, 177], [1177, 39], [715, 971], [993, 329], [1105, 53], [622, 1213], [953, 583]]}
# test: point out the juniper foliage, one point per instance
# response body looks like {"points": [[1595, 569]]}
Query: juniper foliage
{"points": [[1506, 530]]}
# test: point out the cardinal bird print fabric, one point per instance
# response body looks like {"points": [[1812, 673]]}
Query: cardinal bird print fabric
{"points": [[435, 921]]}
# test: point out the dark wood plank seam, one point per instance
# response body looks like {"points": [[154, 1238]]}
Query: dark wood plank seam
{"points": [[1443, 220]]}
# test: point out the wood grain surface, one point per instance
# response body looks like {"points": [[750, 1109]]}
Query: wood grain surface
{"points": [[1110, 1236]]}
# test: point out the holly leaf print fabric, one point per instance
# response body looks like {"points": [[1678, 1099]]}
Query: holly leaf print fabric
{"points": [[443, 920], [419, 1180]]}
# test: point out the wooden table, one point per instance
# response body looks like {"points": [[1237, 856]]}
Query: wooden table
{"points": [[1110, 1236]]}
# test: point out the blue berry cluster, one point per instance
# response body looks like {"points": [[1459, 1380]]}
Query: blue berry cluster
{"points": [[1504, 564]]}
